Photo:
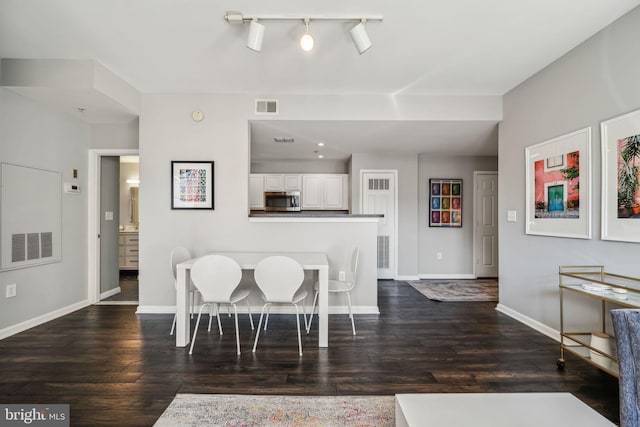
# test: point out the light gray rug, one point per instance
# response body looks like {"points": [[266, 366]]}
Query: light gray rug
{"points": [[259, 410], [457, 290]]}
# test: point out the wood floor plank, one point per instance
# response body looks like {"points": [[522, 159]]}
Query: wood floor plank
{"points": [[118, 368]]}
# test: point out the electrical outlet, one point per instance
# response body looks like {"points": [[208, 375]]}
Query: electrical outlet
{"points": [[11, 291], [341, 276], [439, 256]]}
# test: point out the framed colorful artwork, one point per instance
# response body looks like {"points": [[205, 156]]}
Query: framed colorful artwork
{"points": [[192, 185], [558, 186], [620, 138], [445, 202]]}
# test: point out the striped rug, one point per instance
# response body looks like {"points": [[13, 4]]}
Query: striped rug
{"points": [[457, 290]]}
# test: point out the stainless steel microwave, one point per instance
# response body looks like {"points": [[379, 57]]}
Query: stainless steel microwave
{"points": [[282, 201]]}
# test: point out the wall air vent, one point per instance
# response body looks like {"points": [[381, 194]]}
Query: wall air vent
{"points": [[266, 106], [284, 140]]}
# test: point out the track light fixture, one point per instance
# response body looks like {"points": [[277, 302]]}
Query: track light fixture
{"points": [[306, 41], [256, 35], [360, 37], [256, 30]]}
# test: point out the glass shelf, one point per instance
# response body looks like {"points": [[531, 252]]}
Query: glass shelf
{"points": [[612, 290]]}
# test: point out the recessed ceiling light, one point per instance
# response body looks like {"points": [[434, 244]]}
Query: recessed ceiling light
{"points": [[320, 156], [320, 144]]}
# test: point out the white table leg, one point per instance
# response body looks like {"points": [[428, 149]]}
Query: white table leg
{"points": [[183, 333], [323, 308]]}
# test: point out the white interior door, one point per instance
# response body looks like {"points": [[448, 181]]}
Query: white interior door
{"points": [[485, 238], [378, 190], [109, 222]]}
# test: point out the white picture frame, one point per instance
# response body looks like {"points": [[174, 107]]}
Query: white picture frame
{"points": [[616, 224], [558, 192]]}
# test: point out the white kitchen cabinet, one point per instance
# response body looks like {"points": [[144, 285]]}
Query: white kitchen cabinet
{"points": [[292, 182], [312, 189], [282, 182], [256, 191], [325, 192], [273, 182], [334, 192]]}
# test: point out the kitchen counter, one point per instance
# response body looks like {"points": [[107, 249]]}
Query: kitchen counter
{"points": [[311, 216]]}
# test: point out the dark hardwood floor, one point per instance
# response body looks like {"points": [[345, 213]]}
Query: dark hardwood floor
{"points": [[128, 287], [118, 368]]}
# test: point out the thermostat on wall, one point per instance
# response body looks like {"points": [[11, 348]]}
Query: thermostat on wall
{"points": [[70, 187]]}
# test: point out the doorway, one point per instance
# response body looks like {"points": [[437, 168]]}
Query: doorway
{"points": [[113, 227], [379, 196]]}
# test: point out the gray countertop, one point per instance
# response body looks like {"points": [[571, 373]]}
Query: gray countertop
{"points": [[311, 214]]}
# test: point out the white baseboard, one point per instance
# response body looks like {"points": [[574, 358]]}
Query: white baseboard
{"points": [[408, 278], [448, 276], [110, 293], [532, 323], [156, 309], [28, 324], [359, 309]]}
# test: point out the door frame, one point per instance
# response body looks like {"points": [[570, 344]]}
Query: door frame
{"points": [[475, 219], [93, 220], [394, 172]]}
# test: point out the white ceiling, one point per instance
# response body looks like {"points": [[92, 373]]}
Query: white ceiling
{"points": [[434, 47], [341, 138]]}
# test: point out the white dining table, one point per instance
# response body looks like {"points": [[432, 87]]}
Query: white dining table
{"points": [[313, 261]]}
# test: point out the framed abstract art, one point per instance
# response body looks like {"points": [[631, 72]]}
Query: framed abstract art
{"points": [[445, 202], [192, 185]]}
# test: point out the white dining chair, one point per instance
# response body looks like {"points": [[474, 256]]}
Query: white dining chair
{"points": [[340, 286], [280, 279], [180, 254], [217, 278]]}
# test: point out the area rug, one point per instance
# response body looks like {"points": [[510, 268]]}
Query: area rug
{"points": [[259, 410], [457, 290]]}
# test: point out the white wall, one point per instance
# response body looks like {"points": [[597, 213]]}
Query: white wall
{"points": [[115, 135], [168, 133], [300, 166], [34, 136], [455, 244], [596, 81]]}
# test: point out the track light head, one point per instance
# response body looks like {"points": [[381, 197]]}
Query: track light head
{"points": [[306, 41], [360, 37], [256, 35]]}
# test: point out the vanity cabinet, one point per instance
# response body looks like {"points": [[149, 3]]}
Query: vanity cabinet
{"points": [[129, 249], [325, 192]]}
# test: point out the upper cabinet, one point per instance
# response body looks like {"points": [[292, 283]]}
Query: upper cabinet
{"points": [[325, 192], [317, 191], [256, 192], [282, 182]]}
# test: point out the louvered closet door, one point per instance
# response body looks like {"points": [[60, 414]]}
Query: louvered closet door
{"points": [[378, 197]]}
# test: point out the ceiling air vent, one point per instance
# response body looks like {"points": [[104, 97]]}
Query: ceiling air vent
{"points": [[266, 106], [284, 140]]}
